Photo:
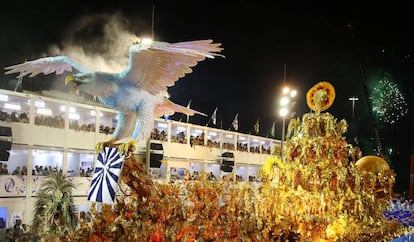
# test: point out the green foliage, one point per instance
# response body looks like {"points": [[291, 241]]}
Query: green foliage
{"points": [[53, 213]]}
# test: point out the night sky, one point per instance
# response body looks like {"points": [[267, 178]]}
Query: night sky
{"points": [[315, 40]]}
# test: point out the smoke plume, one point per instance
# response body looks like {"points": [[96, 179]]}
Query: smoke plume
{"points": [[99, 42]]}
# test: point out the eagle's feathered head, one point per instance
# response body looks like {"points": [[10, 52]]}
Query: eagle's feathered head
{"points": [[79, 79], [98, 84]]}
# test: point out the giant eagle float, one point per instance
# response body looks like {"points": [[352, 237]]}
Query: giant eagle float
{"points": [[139, 92]]}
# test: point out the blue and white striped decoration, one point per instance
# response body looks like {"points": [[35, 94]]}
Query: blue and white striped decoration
{"points": [[105, 179]]}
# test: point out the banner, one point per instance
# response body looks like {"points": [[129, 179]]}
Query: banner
{"points": [[105, 179]]}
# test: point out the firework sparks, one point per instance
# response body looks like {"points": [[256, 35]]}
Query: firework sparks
{"points": [[388, 102]]}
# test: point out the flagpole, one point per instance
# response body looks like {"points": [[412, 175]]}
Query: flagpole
{"points": [[208, 122], [182, 115], [283, 120]]}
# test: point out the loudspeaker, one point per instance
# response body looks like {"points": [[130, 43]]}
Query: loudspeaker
{"points": [[156, 147], [156, 154], [227, 159], [227, 162], [228, 155], [155, 160], [5, 145], [226, 168], [155, 163], [4, 155], [5, 131]]}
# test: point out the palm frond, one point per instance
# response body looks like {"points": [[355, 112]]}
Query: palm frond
{"points": [[53, 212]]}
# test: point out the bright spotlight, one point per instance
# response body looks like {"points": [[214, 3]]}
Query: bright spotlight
{"points": [[283, 112], [284, 101], [146, 41], [285, 90]]}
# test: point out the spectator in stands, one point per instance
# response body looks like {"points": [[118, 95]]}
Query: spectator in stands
{"points": [[89, 172], [195, 175], [24, 171], [45, 171], [24, 118], [5, 170], [212, 177], [14, 117], [17, 229], [9, 235], [38, 170], [17, 171], [25, 229], [82, 172]]}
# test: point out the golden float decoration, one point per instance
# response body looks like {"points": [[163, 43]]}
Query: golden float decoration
{"points": [[321, 96], [321, 194], [377, 170], [374, 164]]}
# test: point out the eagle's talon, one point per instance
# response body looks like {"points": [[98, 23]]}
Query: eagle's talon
{"points": [[127, 148], [100, 145]]}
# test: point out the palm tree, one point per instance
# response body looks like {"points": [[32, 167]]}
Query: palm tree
{"points": [[53, 215]]}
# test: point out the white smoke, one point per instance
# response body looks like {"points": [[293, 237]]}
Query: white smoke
{"points": [[99, 42]]}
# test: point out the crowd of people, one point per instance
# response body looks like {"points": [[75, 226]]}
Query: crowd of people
{"points": [[199, 140], [22, 117], [157, 135], [401, 209], [20, 232], [40, 170], [106, 129], [43, 170], [17, 171], [50, 121], [179, 138], [53, 121], [87, 173], [74, 125]]}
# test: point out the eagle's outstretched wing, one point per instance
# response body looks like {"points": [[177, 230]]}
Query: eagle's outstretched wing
{"points": [[46, 65], [167, 107], [158, 66]]}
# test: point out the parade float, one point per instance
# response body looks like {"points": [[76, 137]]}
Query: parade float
{"points": [[322, 189]]}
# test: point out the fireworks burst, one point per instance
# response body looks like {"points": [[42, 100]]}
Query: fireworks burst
{"points": [[388, 103]]}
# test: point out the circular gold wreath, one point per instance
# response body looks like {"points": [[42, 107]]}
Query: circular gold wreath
{"points": [[321, 96]]}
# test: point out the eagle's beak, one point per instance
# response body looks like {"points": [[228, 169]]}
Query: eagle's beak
{"points": [[69, 79]]}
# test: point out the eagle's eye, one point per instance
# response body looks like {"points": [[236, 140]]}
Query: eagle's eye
{"points": [[83, 77]]}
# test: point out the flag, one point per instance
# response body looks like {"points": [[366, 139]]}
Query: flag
{"points": [[188, 106], [236, 122], [105, 179], [256, 127], [214, 116], [273, 130]]}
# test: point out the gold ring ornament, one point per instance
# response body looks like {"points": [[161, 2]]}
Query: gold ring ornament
{"points": [[321, 96]]}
